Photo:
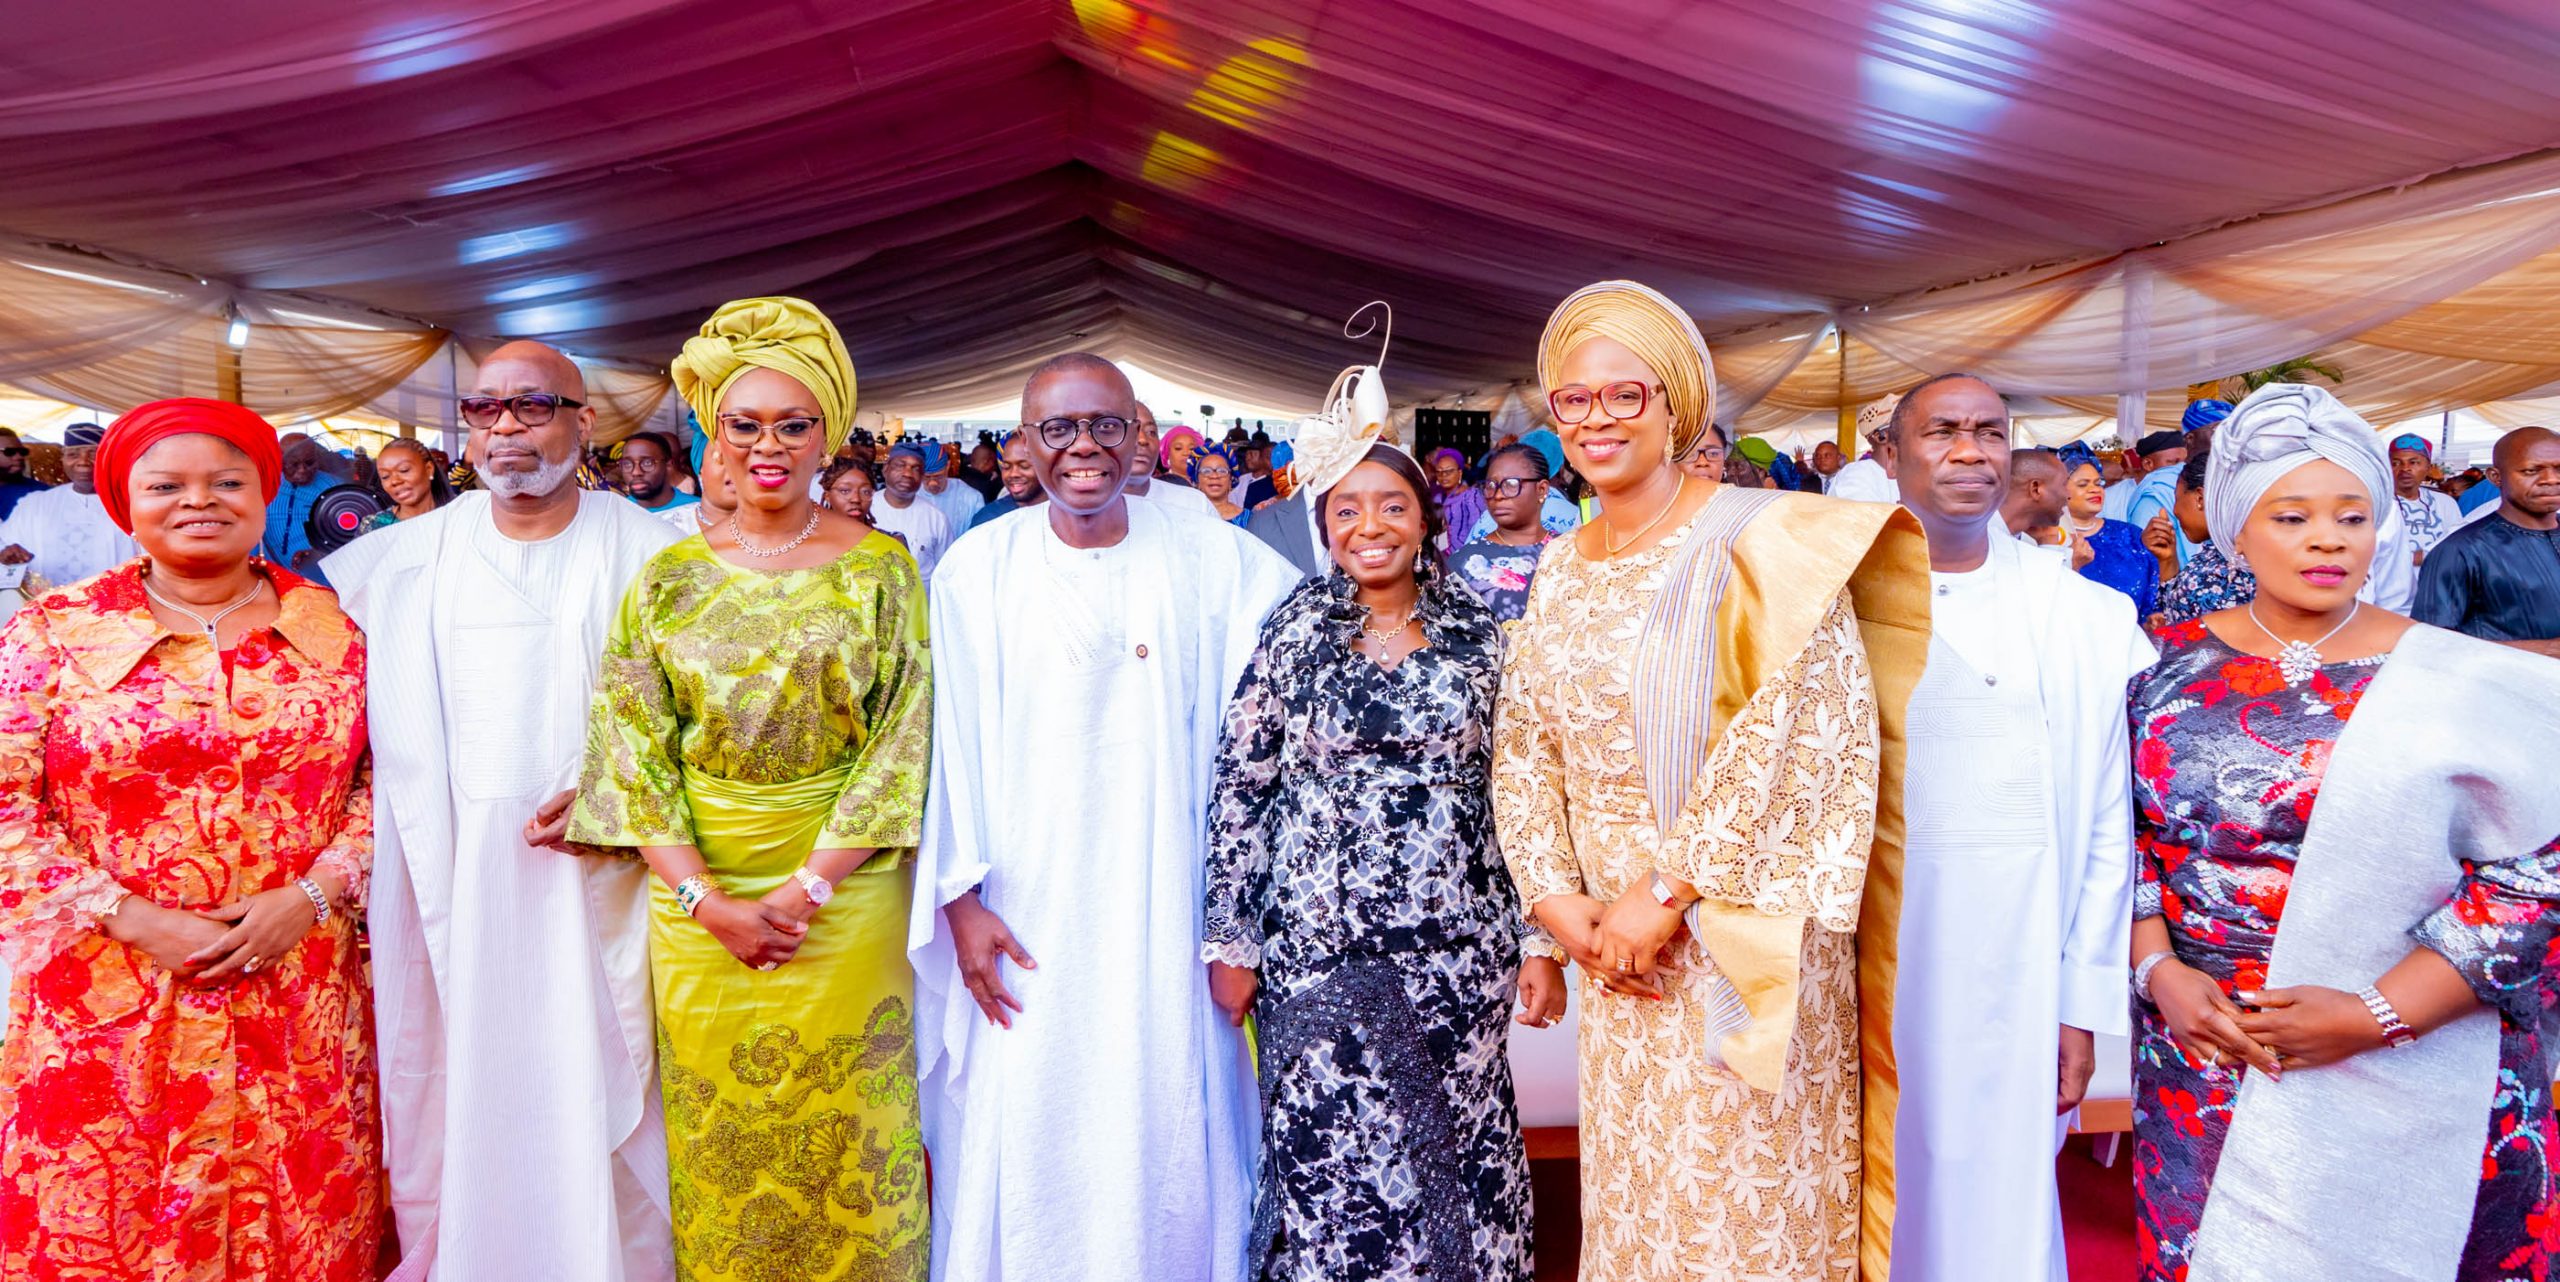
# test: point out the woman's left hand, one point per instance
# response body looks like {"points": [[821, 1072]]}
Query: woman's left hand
{"points": [[1634, 931], [265, 927], [2307, 1026]]}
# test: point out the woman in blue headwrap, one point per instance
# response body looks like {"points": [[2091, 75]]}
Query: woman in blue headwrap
{"points": [[1213, 470], [2118, 558], [2332, 866]]}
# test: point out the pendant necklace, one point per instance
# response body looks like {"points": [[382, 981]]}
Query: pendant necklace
{"points": [[1382, 638], [2297, 660], [209, 625], [752, 550]]}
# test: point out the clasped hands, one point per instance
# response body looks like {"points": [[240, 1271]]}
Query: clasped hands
{"points": [[2304, 1026], [1623, 944], [222, 944]]}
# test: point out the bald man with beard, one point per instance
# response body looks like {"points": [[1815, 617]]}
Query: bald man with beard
{"points": [[511, 972], [1091, 1116]]}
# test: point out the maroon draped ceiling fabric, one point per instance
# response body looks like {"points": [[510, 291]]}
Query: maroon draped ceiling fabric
{"points": [[1208, 187]]}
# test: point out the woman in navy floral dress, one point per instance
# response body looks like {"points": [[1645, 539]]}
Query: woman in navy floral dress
{"points": [[2231, 749]]}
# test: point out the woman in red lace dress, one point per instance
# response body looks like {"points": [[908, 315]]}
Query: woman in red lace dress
{"points": [[186, 1089]]}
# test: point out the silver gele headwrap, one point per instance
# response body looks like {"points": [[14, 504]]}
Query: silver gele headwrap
{"points": [[2278, 428]]}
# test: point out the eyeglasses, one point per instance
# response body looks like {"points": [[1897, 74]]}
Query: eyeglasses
{"points": [[1510, 487], [1621, 400], [14, 451], [792, 433], [1059, 433], [532, 409]]}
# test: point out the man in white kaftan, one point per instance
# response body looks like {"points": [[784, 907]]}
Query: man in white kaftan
{"points": [[63, 535], [511, 979], [1106, 1129], [2017, 867]]}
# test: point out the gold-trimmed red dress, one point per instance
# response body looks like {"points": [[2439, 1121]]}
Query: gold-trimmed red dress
{"points": [[152, 1129]]}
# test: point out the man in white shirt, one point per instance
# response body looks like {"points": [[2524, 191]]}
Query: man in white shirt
{"points": [[1173, 496], [2427, 515], [520, 1095], [2017, 889], [959, 502], [901, 508], [1092, 1116], [1870, 479], [63, 535]]}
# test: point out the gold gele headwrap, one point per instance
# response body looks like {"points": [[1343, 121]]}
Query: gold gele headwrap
{"points": [[783, 334], [1657, 331]]}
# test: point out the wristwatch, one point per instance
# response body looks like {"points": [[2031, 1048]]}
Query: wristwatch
{"points": [[814, 886], [1664, 895]]}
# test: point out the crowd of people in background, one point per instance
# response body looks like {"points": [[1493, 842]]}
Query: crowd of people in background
{"points": [[782, 852]]}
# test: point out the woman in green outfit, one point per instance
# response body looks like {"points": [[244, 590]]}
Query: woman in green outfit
{"points": [[760, 733]]}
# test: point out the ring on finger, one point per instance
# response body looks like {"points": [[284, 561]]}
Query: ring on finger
{"points": [[252, 967], [1626, 964], [768, 965]]}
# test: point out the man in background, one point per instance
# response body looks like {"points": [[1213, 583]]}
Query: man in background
{"points": [[2429, 515], [1870, 479], [2498, 578], [648, 476], [958, 502], [287, 541], [63, 535], [1021, 480], [901, 508], [15, 484]]}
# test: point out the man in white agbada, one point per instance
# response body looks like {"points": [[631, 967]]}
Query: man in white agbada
{"points": [[1091, 1115], [2017, 891], [511, 975], [902, 508], [1868, 480], [63, 535]]}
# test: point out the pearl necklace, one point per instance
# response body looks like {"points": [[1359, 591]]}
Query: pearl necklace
{"points": [[2297, 660], [209, 625], [752, 550]]}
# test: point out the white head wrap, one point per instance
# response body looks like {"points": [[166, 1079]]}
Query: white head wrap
{"points": [[2278, 428]]}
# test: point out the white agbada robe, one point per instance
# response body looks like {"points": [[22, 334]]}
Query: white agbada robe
{"points": [[1179, 498], [1863, 481], [69, 535], [1110, 1134], [922, 524], [511, 985], [2017, 902]]}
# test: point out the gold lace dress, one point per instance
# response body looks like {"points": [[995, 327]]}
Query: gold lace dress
{"points": [[1687, 1170]]}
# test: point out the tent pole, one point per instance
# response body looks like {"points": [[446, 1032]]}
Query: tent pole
{"points": [[1847, 425]]}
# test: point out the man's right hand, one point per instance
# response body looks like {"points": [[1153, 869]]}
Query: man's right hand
{"points": [[982, 941], [15, 555]]}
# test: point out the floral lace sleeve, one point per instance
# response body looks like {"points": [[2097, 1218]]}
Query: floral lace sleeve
{"points": [[1783, 818], [349, 854], [49, 896], [1240, 804], [882, 806], [2500, 929], [1529, 817], [632, 791]]}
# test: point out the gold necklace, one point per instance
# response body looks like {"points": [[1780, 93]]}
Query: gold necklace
{"points": [[1610, 553], [1383, 638]]}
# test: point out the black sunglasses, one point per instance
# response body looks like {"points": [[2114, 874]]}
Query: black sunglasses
{"points": [[533, 409]]}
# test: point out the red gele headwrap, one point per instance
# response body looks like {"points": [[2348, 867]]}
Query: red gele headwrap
{"points": [[130, 437]]}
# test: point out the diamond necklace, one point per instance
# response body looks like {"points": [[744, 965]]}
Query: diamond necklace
{"points": [[752, 550], [2297, 660], [209, 625]]}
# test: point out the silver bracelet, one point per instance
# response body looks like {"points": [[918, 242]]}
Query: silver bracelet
{"points": [[2142, 972], [2396, 1032], [319, 902]]}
